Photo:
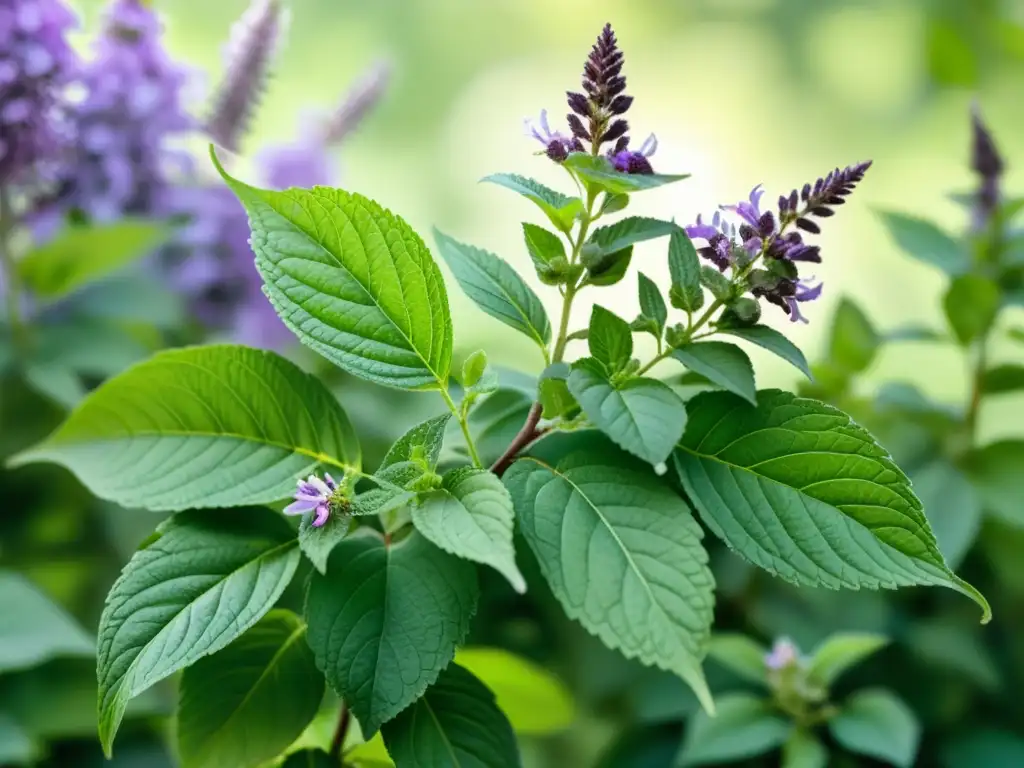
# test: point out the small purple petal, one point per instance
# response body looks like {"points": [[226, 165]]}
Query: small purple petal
{"points": [[301, 506], [704, 231], [331, 483], [794, 311], [322, 512]]}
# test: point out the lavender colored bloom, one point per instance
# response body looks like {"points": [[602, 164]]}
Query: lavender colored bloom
{"points": [[749, 210], [313, 494], [782, 655], [302, 163], [557, 146], [36, 62], [636, 162], [803, 291]]}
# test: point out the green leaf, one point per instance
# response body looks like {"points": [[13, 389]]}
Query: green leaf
{"points": [[877, 724], [218, 426], [473, 369], [804, 750], [610, 269], [318, 543], [623, 556], [627, 232], [42, 630], [951, 57], [740, 654], [455, 723], [471, 517], [561, 209], [88, 348], [415, 452], [131, 298], [997, 472], [723, 364], [744, 727], [598, 170], [652, 305], [797, 488], [774, 342], [610, 339], [80, 254], [536, 702], [190, 591], [553, 392], [310, 758], [854, 341], [244, 705], [643, 416], [352, 281], [496, 288], [982, 747], [926, 242], [544, 246], [385, 621], [840, 652], [686, 293], [614, 203], [971, 305], [1004, 378], [951, 504], [16, 746]]}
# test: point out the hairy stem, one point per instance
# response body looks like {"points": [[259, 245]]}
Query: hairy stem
{"points": [[12, 296], [463, 419], [338, 740]]}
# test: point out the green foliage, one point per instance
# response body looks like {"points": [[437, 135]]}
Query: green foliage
{"points": [[952, 505], [42, 630], [997, 472], [652, 305], [721, 363], [601, 174], [686, 292], [853, 342], [770, 339], [1003, 379], [561, 209], [839, 653], [610, 339], [202, 426], [744, 726], [741, 655], [609, 240], [546, 249], [971, 304], [201, 582], [877, 724], [927, 242], [804, 750]]}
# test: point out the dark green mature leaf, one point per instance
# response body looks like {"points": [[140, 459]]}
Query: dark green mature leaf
{"points": [[318, 543], [190, 591], [840, 652], [854, 341], [80, 254], [1004, 378], [627, 232], [385, 621], [610, 339], [353, 281], [951, 504], [997, 472], [988, 747], [796, 487], [544, 246], [770, 339], [723, 364], [218, 426], [804, 750], [926, 242], [244, 705], [742, 655], [971, 305], [496, 288], [561, 209], [877, 724], [598, 170], [644, 416], [311, 758], [623, 556], [745, 726], [611, 268], [686, 293], [131, 298], [471, 517], [35, 629], [456, 723], [652, 304]]}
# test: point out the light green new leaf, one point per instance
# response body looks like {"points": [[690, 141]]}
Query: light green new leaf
{"points": [[997, 472], [644, 416], [804, 750], [971, 305], [471, 517], [218, 426], [610, 339], [623, 556], [687, 292], [598, 170], [877, 724], [414, 452], [926, 242], [840, 652], [721, 363], [853, 341], [536, 702], [353, 281], [795, 487], [385, 621], [740, 654], [455, 723], [745, 726], [200, 583], [244, 705], [80, 254], [770, 339], [543, 246], [652, 304], [561, 209], [627, 232], [496, 288], [35, 629]]}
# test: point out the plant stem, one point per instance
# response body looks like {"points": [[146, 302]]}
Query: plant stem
{"points": [[464, 424], [523, 438], [338, 740], [977, 383], [12, 296]]}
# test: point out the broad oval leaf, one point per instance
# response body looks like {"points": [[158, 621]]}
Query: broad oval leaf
{"points": [[610, 339], [496, 288], [196, 586], [244, 705], [543, 246], [455, 723], [745, 726], [218, 426], [598, 170], [804, 750], [877, 724], [721, 363], [627, 232], [770, 339], [471, 517], [840, 652], [652, 304], [971, 304], [561, 209], [742, 655], [853, 341], [926, 242], [623, 556], [353, 281], [35, 629], [796, 487], [385, 621], [643, 416]]}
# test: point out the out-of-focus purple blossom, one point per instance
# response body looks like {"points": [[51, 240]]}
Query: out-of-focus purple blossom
{"points": [[302, 163], [783, 654], [36, 63], [988, 164], [313, 494], [362, 96]]}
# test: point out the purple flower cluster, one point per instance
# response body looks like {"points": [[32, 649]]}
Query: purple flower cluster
{"points": [[988, 164], [314, 494], [36, 62], [764, 234], [596, 115]]}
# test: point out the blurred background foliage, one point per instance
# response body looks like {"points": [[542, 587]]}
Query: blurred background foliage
{"points": [[739, 92]]}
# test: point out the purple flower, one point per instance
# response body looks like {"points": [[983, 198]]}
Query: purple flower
{"points": [[362, 96], [302, 163], [782, 655], [635, 162], [557, 146], [313, 494], [36, 63], [988, 164], [804, 291], [749, 210]]}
